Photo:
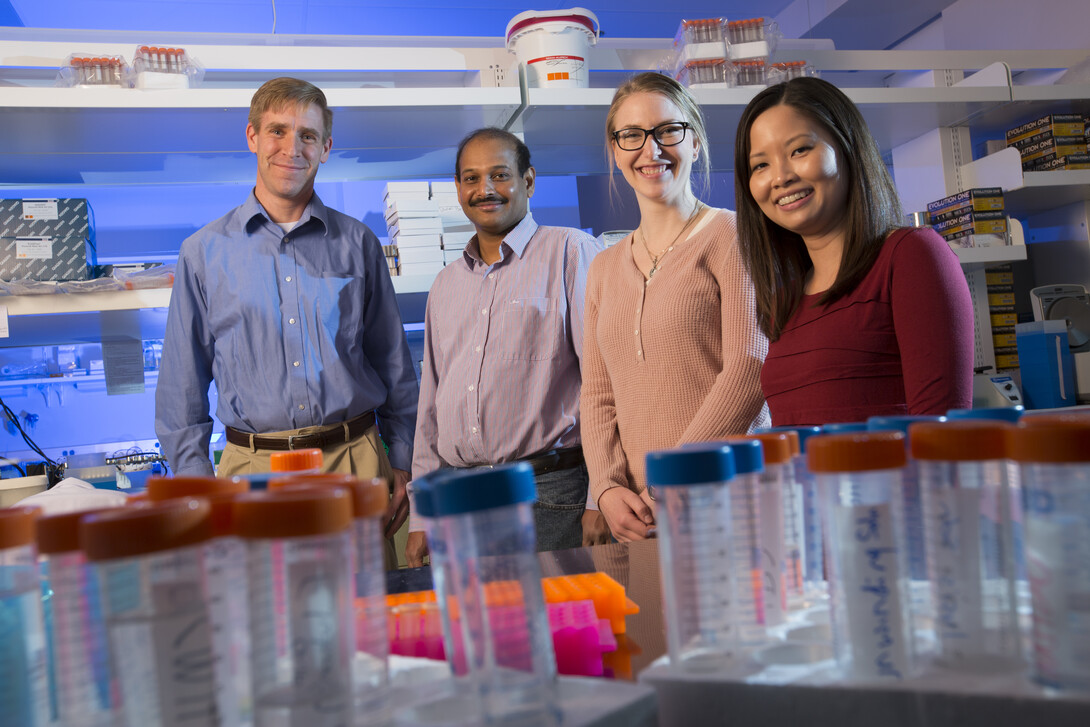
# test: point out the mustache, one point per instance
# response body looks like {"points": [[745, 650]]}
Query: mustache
{"points": [[487, 200]]}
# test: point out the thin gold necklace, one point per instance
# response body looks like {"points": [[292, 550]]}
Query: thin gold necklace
{"points": [[655, 258]]}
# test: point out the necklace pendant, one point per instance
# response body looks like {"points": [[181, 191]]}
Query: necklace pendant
{"points": [[651, 272]]}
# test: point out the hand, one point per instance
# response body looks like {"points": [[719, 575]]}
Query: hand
{"points": [[398, 508], [627, 514], [595, 528], [416, 548]]}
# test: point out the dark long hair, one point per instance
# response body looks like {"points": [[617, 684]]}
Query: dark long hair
{"points": [[776, 258]]}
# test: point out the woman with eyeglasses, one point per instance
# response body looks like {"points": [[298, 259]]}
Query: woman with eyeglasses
{"points": [[867, 317], [672, 352]]}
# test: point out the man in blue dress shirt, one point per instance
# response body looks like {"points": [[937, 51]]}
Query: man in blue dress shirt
{"points": [[288, 306]]}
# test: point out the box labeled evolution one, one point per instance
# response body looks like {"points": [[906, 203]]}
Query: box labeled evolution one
{"points": [[1055, 124], [45, 239], [984, 199]]}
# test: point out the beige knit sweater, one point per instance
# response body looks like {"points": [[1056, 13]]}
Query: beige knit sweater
{"points": [[673, 360]]}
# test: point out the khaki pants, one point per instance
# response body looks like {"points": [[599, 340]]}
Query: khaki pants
{"points": [[364, 457]]}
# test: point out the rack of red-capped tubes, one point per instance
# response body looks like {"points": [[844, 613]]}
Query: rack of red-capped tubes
{"points": [[586, 615]]}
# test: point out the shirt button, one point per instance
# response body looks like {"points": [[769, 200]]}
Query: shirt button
{"points": [[302, 407], [471, 387], [477, 349], [287, 239], [484, 311], [295, 363], [287, 279], [291, 320], [491, 275], [637, 331], [639, 353], [474, 430]]}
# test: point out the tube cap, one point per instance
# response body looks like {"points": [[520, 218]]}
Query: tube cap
{"points": [[60, 533], [295, 460], [1051, 438], [843, 427], [748, 455], [142, 529], [459, 491], [693, 465], [292, 513], [803, 433], [898, 424], [369, 497], [961, 440], [856, 452], [17, 526], [777, 446], [998, 413], [168, 488]]}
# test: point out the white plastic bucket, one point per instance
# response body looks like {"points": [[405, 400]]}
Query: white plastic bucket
{"points": [[553, 45]]}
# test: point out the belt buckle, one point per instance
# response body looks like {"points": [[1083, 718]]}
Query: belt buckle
{"points": [[291, 441]]}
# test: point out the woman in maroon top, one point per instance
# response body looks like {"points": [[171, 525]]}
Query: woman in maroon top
{"points": [[864, 317]]}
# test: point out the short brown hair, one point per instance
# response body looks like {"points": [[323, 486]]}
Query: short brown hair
{"points": [[652, 82], [285, 91]]}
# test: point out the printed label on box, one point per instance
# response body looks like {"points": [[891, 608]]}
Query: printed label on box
{"points": [[33, 248], [40, 209]]}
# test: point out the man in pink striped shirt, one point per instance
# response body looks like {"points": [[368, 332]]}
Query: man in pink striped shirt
{"points": [[503, 339]]}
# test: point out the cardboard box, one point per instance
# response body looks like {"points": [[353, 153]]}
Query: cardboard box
{"points": [[1003, 320], [1000, 300], [1057, 124], [985, 199], [1051, 148], [999, 277], [1070, 161], [45, 239], [1006, 361]]}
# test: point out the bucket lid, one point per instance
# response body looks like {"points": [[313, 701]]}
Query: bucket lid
{"points": [[576, 16]]}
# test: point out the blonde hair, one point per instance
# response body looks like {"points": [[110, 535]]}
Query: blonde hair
{"points": [[652, 82], [284, 92]]}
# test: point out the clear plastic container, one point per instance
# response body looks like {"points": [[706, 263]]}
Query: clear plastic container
{"points": [[486, 545], [299, 543], [369, 500], [780, 562], [701, 584], [224, 569], [147, 559], [859, 481], [968, 513], [813, 552], [1054, 454], [79, 668], [745, 504], [23, 692]]}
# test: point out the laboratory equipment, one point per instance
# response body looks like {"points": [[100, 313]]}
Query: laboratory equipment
{"points": [[859, 482], [968, 512], [1054, 454], [369, 501], [79, 668], [813, 546], [224, 570], [554, 45], [702, 581], [299, 544], [23, 699], [484, 535], [745, 503], [780, 529], [147, 560], [1070, 304]]}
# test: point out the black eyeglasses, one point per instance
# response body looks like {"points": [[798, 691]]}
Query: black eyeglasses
{"points": [[671, 133]]}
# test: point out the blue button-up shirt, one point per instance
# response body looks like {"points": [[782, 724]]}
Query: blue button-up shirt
{"points": [[297, 329]]}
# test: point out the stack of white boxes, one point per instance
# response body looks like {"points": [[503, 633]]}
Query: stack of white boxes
{"points": [[415, 228], [457, 229]]}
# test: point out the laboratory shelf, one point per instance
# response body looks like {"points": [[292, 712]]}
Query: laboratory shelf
{"points": [[1026, 193], [62, 303], [990, 255]]}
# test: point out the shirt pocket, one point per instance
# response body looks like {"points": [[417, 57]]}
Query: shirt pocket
{"points": [[529, 329], [338, 302]]}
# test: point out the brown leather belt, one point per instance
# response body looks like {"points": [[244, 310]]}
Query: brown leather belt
{"points": [[555, 459], [337, 434]]}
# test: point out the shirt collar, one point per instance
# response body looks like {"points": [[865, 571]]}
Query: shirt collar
{"points": [[253, 213], [516, 241]]}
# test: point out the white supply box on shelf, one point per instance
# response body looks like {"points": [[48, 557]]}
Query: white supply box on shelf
{"points": [[456, 239], [414, 241], [415, 255], [415, 226]]}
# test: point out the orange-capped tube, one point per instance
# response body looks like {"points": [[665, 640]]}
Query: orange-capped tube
{"points": [[60, 533], [170, 488], [369, 497], [776, 445], [146, 528], [959, 440], [299, 556], [1053, 452], [17, 526], [856, 452], [294, 513], [296, 460]]}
